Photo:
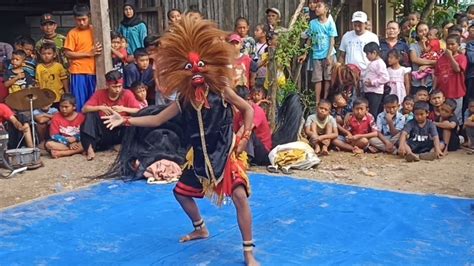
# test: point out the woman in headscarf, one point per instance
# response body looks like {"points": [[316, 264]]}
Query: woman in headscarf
{"points": [[132, 28]]}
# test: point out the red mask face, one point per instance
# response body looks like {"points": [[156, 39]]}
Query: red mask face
{"points": [[196, 66]]}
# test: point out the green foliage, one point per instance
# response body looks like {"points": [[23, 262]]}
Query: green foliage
{"points": [[289, 43], [288, 88], [440, 13]]}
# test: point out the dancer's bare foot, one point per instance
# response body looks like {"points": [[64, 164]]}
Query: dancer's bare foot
{"points": [[195, 235], [250, 259]]}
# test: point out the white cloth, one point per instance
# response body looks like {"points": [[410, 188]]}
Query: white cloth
{"points": [[310, 160], [397, 81]]}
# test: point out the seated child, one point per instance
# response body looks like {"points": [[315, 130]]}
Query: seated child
{"points": [[17, 78], [422, 95], [42, 118], [389, 124], [321, 128], [436, 100], [65, 129], [469, 124], [257, 95], [359, 128], [139, 90], [447, 125], [419, 138], [407, 107], [340, 108]]}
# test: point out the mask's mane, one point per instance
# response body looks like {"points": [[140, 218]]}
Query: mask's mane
{"points": [[204, 38]]}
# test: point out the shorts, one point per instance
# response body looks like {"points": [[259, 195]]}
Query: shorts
{"points": [[189, 184], [420, 146], [321, 70]]}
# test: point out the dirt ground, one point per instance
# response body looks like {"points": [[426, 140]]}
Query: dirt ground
{"points": [[453, 175]]}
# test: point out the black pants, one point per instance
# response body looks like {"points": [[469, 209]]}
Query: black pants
{"points": [[257, 152], [375, 100], [469, 93], [95, 133]]}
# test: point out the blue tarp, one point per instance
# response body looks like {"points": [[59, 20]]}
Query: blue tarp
{"points": [[296, 221]]}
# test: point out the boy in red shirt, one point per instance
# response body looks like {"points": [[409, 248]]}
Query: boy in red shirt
{"points": [[359, 128], [449, 74], [94, 134], [65, 129]]}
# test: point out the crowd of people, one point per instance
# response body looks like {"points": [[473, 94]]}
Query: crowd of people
{"points": [[410, 93]]}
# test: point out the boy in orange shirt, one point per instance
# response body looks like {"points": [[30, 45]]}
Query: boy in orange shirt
{"points": [[81, 51]]}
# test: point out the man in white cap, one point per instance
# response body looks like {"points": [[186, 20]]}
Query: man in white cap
{"points": [[353, 42]]}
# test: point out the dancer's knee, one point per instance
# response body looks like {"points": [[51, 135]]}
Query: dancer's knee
{"points": [[239, 196]]}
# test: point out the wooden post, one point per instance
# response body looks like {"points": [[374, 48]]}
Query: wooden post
{"points": [[101, 22], [272, 90]]}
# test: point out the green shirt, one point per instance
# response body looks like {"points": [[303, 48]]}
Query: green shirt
{"points": [[59, 42]]}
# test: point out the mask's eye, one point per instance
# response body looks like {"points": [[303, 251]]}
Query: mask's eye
{"points": [[188, 66], [201, 64]]}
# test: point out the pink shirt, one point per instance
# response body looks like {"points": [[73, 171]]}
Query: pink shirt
{"points": [[377, 73]]}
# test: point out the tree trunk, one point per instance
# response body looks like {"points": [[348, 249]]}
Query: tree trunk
{"points": [[427, 10], [272, 90]]}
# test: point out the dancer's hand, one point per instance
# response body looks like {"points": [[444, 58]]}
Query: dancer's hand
{"points": [[242, 145], [113, 121]]}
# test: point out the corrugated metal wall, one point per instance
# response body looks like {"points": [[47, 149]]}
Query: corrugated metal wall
{"points": [[224, 12]]}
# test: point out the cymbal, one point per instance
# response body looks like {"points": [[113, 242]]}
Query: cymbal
{"points": [[20, 100]]}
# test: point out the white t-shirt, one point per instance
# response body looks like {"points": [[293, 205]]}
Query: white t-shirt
{"points": [[353, 45]]}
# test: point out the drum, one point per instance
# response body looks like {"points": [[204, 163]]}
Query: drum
{"points": [[28, 157]]}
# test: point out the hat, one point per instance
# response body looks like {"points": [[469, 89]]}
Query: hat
{"points": [[359, 16], [234, 37], [274, 10], [45, 18]]}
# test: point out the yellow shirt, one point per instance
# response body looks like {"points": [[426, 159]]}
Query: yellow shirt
{"points": [[51, 78], [78, 40]]}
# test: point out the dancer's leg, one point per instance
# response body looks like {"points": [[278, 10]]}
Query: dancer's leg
{"points": [[191, 209], [244, 218]]}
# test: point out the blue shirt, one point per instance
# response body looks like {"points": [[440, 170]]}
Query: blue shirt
{"points": [[135, 36], [382, 124], [321, 34], [401, 47], [131, 73]]}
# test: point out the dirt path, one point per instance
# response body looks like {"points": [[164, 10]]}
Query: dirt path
{"points": [[453, 175]]}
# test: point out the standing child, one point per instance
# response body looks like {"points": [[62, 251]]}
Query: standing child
{"points": [[50, 74], [65, 129], [419, 138], [413, 20], [359, 128], [321, 128], [48, 27], [447, 126], [389, 124], [119, 54], [242, 29], [374, 77], [407, 107], [17, 78], [139, 90], [243, 62], [81, 51], [174, 16], [469, 124], [322, 32], [399, 75], [260, 48], [449, 74]]}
